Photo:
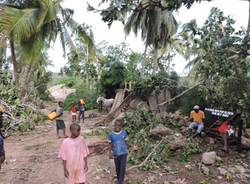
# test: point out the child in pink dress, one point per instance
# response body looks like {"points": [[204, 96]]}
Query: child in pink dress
{"points": [[74, 152]]}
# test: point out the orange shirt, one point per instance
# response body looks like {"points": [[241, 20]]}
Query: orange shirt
{"points": [[197, 117]]}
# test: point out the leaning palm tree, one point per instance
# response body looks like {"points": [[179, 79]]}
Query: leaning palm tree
{"points": [[156, 26]]}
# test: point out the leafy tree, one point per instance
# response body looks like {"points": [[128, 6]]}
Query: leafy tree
{"points": [[132, 71], [119, 9], [221, 59], [156, 25], [112, 79]]}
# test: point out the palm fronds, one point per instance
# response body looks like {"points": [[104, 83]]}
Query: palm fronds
{"points": [[20, 24]]}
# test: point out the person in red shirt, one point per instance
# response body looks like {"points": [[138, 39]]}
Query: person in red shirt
{"points": [[74, 112]]}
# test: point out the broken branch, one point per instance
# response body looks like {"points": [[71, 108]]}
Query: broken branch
{"points": [[181, 94], [148, 157]]}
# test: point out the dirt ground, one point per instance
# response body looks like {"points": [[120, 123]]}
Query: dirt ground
{"points": [[32, 159]]}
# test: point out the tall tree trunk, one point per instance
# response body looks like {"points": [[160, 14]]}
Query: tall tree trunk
{"points": [[143, 61], [15, 64], [1, 63], [155, 61], [25, 81]]}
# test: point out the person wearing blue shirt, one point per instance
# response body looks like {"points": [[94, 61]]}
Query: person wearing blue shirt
{"points": [[118, 138], [2, 153]]}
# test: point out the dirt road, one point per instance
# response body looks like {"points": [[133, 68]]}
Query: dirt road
{"points": [[32, 158]]}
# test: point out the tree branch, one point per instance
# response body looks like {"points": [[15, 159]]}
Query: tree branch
{"points": [[148, 157], [181, 94]]}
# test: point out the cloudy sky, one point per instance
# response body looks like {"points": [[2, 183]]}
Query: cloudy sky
{"points": [[115, 35]]}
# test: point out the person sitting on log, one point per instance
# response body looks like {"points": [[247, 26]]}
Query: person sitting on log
{"points": [[197, 117]]}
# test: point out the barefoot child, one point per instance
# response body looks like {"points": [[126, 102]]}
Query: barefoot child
{"points": [[74, 152], [2, 153], [60, 125], [74, 112], [117, 139]]}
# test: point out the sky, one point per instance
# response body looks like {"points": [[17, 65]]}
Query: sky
{"points": [[115, 35]]}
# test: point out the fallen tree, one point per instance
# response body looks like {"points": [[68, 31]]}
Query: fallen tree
{"points": [[181, 94], [18, 115]]}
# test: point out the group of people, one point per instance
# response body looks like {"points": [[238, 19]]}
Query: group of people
{"points": [[74, 149], [76, 108]]}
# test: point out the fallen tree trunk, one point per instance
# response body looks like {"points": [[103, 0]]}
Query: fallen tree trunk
{"points": [[181, 94], [116, 111]]}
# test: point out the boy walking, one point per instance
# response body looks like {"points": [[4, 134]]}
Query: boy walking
{"points": [[118, 138], [60, 125]]}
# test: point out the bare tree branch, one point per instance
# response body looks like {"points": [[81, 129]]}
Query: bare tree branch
{"points": [[181, 94]]}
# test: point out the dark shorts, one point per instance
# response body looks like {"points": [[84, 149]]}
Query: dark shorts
{"points": [[60, 124], [1, 147], [2, 153], [81, 114]]}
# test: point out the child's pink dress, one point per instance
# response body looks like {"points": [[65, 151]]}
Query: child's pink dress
{"points": [[74, 151]]}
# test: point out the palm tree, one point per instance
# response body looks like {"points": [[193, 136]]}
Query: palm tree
{"points": [[30, 27], [156, 26]]}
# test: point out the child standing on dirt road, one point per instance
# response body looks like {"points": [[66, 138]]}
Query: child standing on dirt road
{"points": [[74, 112], [74, 152], [118, 138], [81, 109], [60, 125], [2, 152]]}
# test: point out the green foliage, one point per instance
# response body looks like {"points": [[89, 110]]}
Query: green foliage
{"points": [[8, 91], [132, 73], [192, 147], [82, 91], [68, 81], [219, 56], [189, 100], [145, 86], [112, 79], [117, 10], [27, 119], [138, 125]]}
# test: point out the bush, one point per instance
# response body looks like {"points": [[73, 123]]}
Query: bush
{"points": [[192, 147], [82, 91], [68, 81], [138, 125]]}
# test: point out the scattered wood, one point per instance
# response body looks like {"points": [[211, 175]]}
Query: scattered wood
{"points": [[109, 117], [148, 157]]}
